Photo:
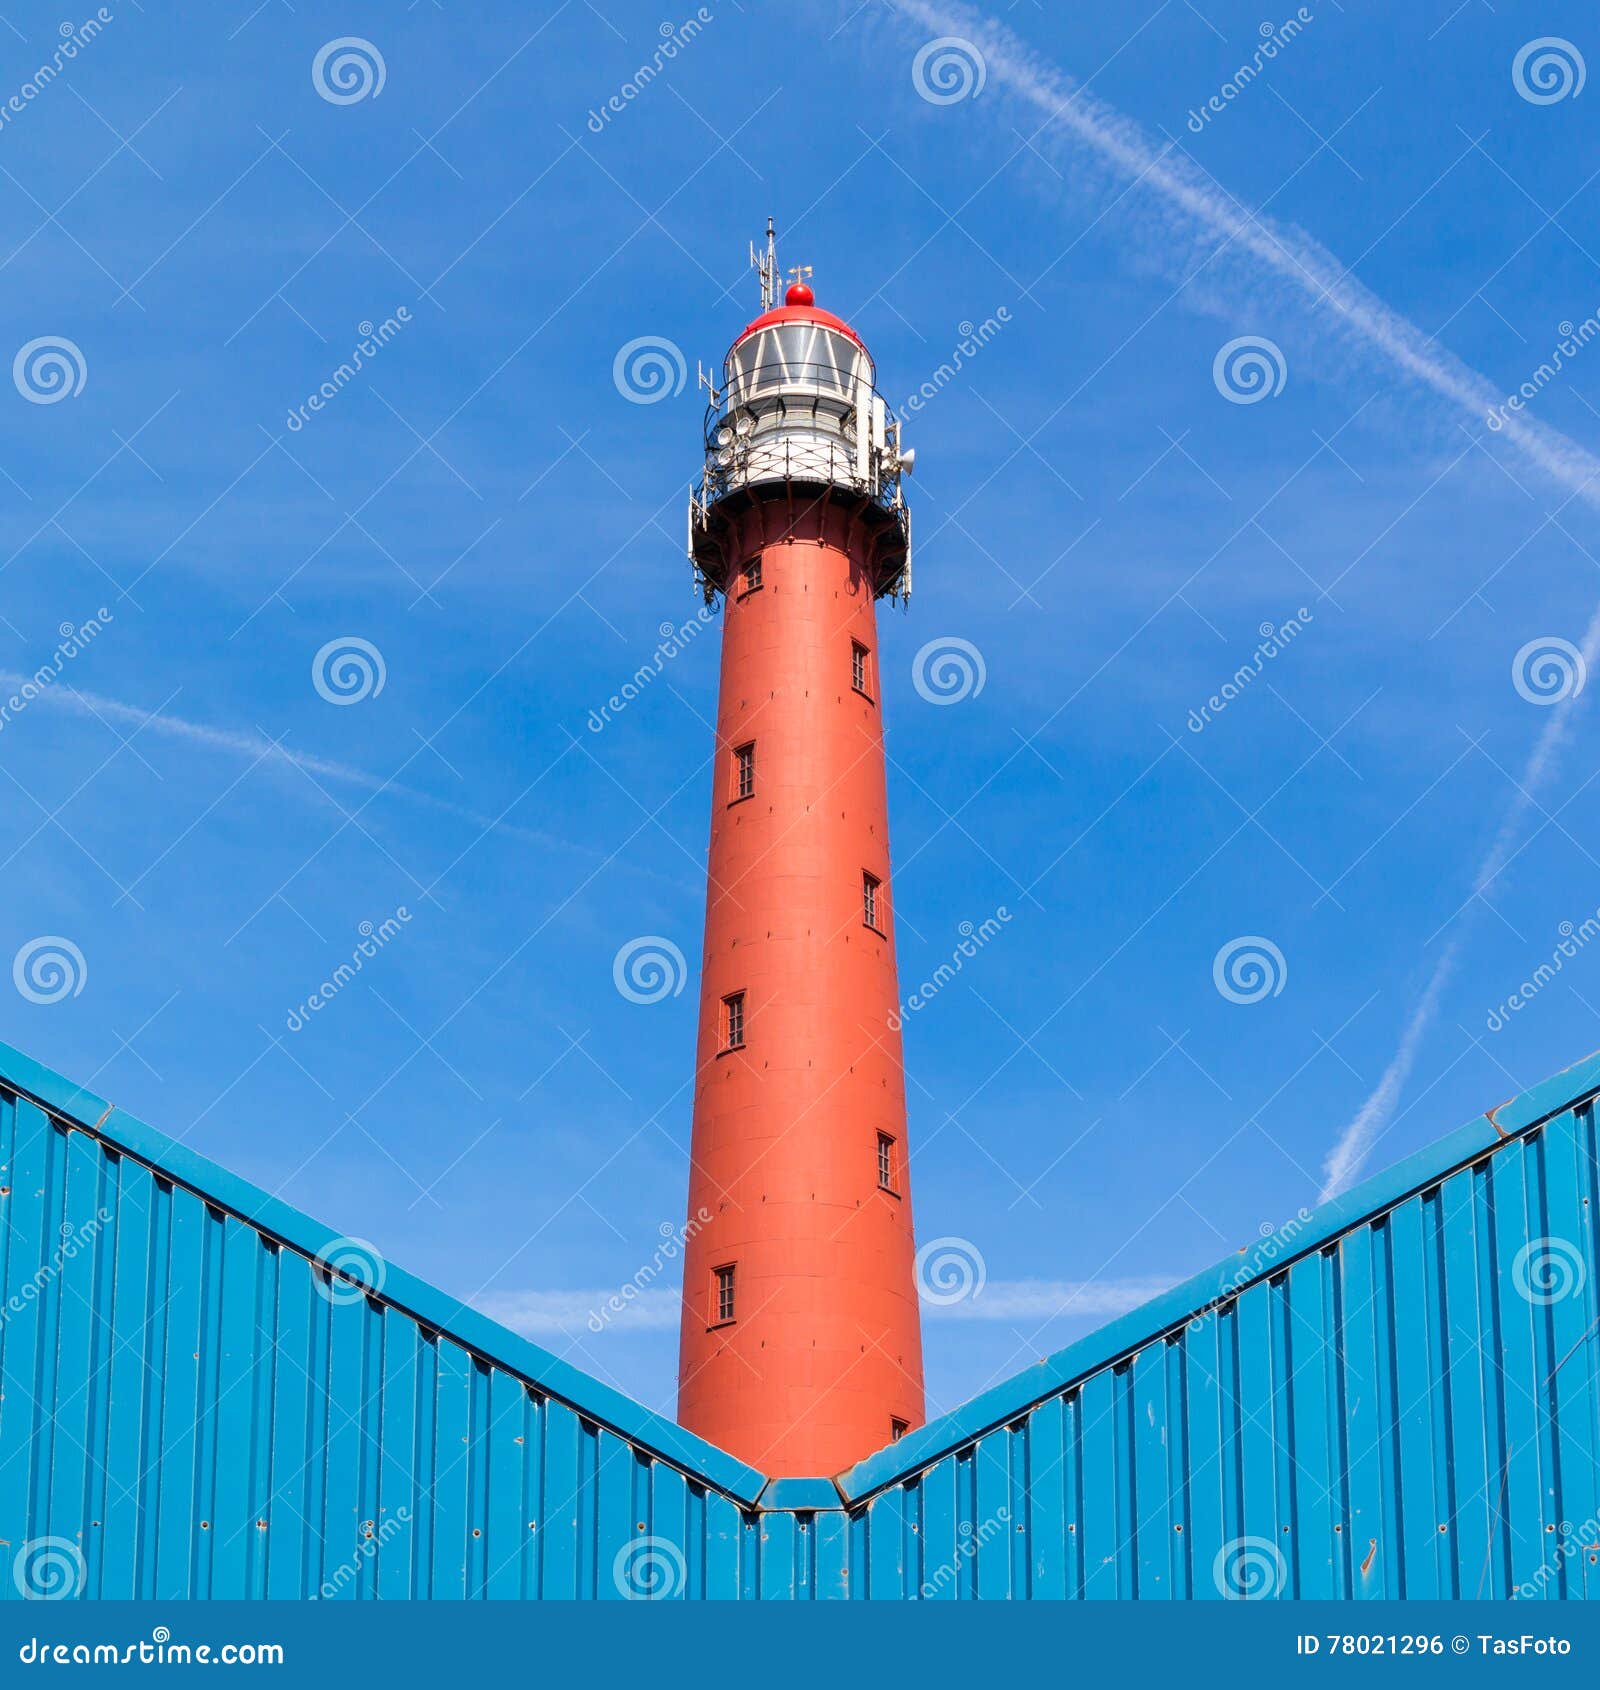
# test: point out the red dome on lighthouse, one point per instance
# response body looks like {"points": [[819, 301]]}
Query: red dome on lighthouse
{"points": [[800, 306]]}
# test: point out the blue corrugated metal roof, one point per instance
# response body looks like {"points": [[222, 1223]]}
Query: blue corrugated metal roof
{"points": [[1378, 1403], [1174, 1307]]}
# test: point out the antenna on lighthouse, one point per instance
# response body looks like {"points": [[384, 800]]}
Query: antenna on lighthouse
{"points": [[765, 264]]}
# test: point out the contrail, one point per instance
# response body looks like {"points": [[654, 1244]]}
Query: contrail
{"points": [[1196, 205], [1345, 1159], [258, 748]]}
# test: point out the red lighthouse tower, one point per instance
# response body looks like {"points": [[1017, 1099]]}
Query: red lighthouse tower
{"points": [[801, 1347]]}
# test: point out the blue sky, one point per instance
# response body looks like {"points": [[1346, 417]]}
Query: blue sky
{"points": [[502, 526]]}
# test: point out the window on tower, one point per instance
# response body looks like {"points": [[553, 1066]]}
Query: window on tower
{"points": [[897, 1430], [744, 771], [886, 1179], [722, 1294], [870, 903], [733, 1021], [750, 575], [860, 668]]}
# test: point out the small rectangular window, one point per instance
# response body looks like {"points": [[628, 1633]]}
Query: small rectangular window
{"points": [[750, 575], [744, 771], [723, 1291], [858, 666], [886, 1162], [869, 900], [897, 1430], [733, 1021]]}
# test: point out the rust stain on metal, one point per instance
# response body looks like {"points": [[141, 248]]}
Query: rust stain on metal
{"points": [[1372, 1555]]}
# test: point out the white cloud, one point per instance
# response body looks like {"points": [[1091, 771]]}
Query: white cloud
{"points": [[1045, 1299], [550, 1314]]}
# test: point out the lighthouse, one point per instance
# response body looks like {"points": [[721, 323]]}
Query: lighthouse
{"points": [[801, 1348]]}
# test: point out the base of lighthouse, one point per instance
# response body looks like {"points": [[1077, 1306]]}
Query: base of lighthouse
{"points": [[801, 1345]]}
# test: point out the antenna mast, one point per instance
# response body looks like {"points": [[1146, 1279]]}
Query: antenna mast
{"points": [[765, 264]]}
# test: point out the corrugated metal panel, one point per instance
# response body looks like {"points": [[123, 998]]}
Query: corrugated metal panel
{"points": [[1405, 1401], [1411, 1409]]}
